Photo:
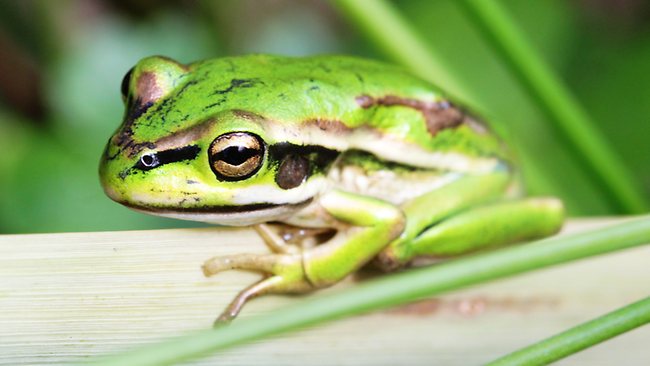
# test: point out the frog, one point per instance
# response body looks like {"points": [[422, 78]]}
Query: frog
{"points": [[386, 164]]}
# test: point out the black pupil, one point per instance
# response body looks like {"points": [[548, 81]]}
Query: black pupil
{"points": [[124, 88], [236, 155]]}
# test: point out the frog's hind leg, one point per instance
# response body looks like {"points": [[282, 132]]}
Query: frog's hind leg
{"points": [[465, 192], [486, 226]]}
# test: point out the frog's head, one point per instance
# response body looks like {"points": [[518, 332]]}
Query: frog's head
{"points": [[227, 167]]}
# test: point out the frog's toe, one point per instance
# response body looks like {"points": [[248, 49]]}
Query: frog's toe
{"points": [[251, 262], [277, 284], [270, 284]]}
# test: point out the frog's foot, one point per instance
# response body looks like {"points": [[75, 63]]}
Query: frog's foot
{"points": [[284, 272]]}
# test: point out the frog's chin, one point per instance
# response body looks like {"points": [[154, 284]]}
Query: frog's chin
{"points": [[227, 215]]}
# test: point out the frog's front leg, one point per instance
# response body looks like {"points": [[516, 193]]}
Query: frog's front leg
{"points": [[368, 225], [285, 275], [272, 240], [285, 239]]}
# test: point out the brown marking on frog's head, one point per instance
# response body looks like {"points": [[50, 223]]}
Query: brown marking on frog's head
{"points": [[328, 125], [247, 115], [147, 89], [148, 82]]}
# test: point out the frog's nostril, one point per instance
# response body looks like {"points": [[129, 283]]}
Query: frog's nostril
{"points": [[153, 160], [148, 160]]}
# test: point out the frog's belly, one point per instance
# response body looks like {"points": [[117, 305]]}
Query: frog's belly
{"points": [[393, 186], [396, 187]]}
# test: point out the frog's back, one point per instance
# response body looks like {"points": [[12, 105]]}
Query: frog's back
{"points": [[340, 103], [291, 90]]}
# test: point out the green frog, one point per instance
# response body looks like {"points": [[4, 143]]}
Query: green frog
{"points": [[361, 160]]}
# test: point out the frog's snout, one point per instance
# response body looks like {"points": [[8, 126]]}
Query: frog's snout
{"points": [[111, 193]]}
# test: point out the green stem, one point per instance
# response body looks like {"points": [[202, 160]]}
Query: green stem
{"points": [[381, 22], [580, 337], [395, 289], [557, 102]]}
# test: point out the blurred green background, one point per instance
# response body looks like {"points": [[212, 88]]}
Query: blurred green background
{"points": [[61, 64]]}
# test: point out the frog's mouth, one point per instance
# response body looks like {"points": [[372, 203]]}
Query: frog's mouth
{"points": [[242, 215]]}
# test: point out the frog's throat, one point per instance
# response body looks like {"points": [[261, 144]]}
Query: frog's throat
{"points": [[243, 215]]}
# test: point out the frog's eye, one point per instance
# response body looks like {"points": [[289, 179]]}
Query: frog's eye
{"points": [[124, 88], [236, 156]]}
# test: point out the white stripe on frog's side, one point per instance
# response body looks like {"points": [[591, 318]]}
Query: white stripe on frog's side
{"points": [[388, 185], [381, 145], [275, 195]]}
